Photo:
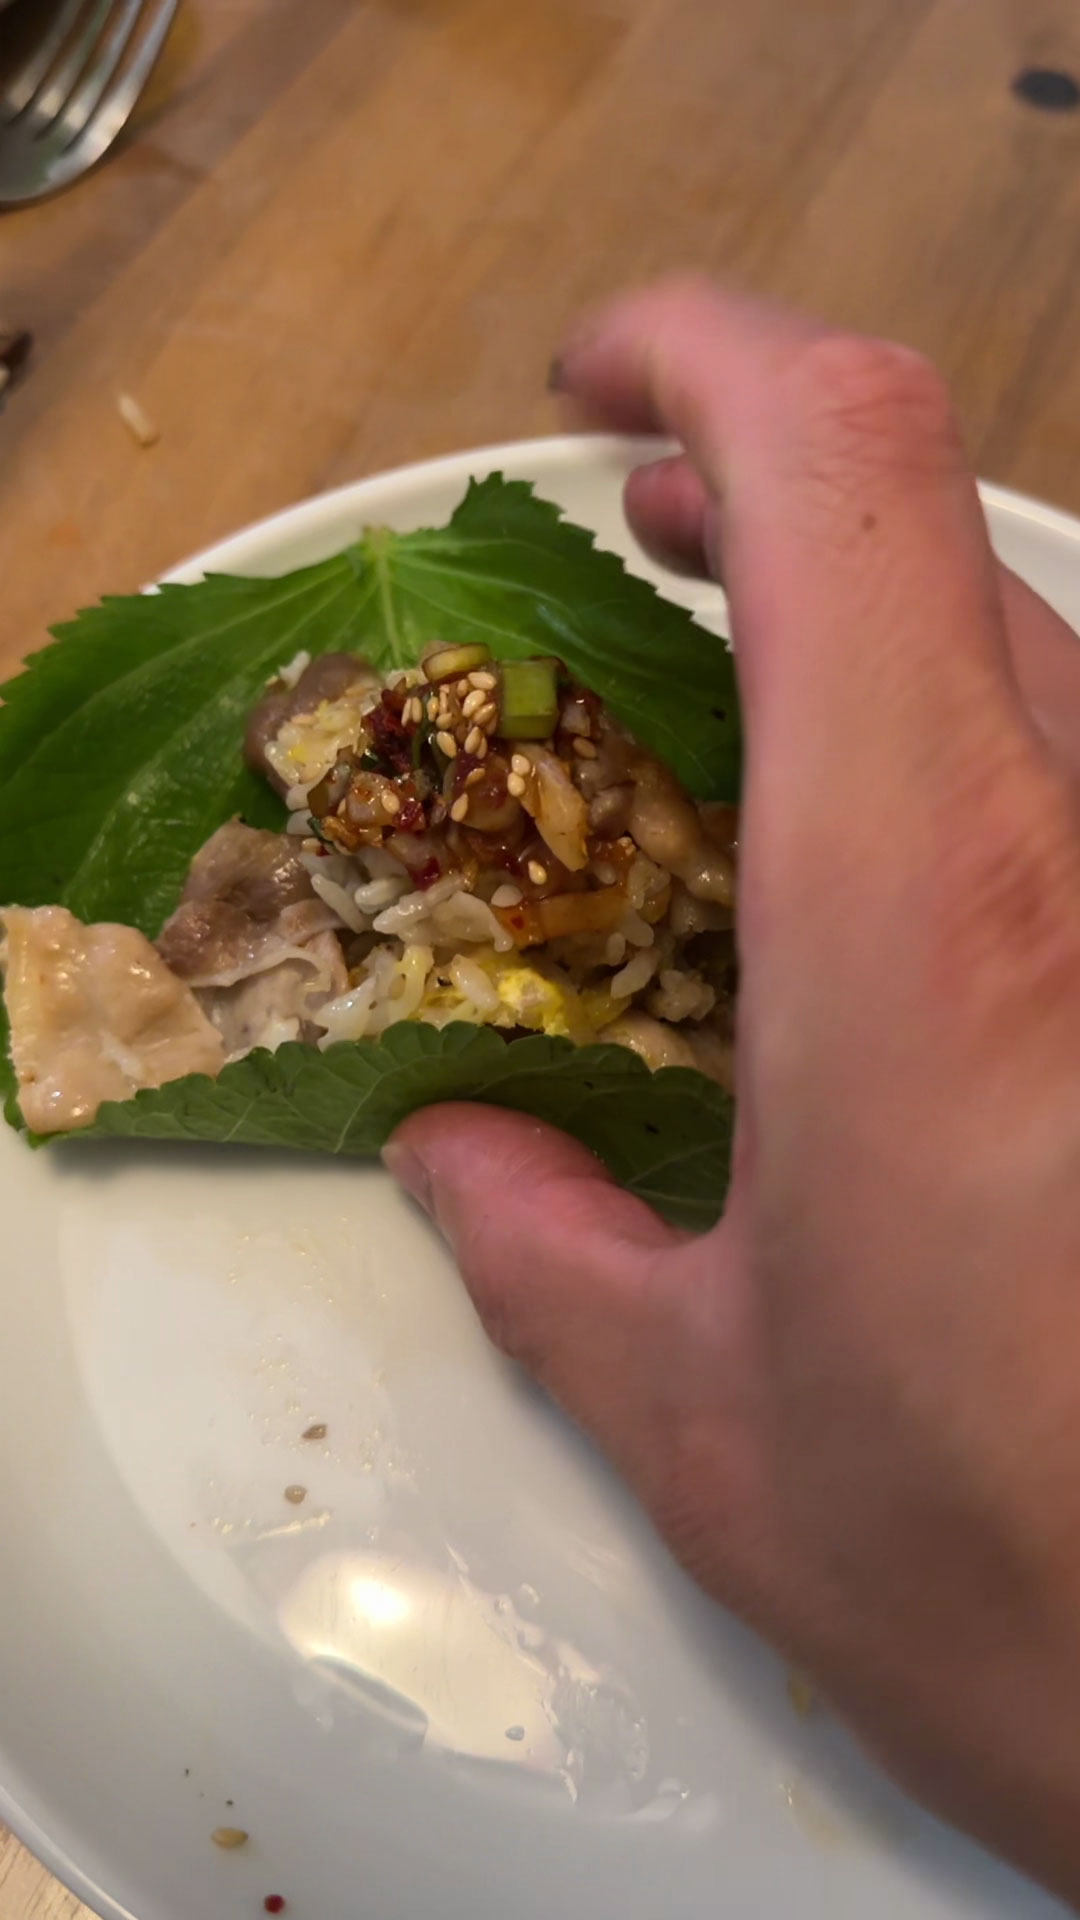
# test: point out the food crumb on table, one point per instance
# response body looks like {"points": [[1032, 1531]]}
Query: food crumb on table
{"points": [[137, 420]]}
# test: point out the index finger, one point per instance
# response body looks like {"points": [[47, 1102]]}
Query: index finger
{"points": [[867, 620]]}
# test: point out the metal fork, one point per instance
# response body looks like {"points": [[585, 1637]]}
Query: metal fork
{"points": [[74, 91]]}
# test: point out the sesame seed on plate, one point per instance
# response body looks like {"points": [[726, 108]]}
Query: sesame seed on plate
{"points": [[487, 716], [472, 702], [515, 785], [537, 874], [508, 896], [520, 763], [483, 680], [446, 744], [432, 707], [460, 807], [391, 803], [473, 739], [472, 779]]}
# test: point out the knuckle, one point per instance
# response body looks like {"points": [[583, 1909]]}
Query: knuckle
{"points": [[870, 406]]}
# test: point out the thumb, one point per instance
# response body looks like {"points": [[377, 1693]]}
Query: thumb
{"points": [[570, 1275]]}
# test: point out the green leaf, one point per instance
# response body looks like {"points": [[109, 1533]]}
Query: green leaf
{"points": [[120, 745], [666, 1136], [510, 571], [120, 753]]}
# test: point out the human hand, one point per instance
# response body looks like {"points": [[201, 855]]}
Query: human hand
{"points": [[853, 1409]]}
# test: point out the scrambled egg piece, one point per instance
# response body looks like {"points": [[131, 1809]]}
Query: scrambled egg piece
{"points": [[527, 997], [532, 1001]]}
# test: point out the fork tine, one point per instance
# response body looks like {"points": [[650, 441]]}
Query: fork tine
{"points": [[52, 96], [83, 100], [116, 106], [26, 82]]}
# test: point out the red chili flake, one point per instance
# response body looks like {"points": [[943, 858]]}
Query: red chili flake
{"points": [[274, 1903], [412, 818], [392, 743], [428, 874]]}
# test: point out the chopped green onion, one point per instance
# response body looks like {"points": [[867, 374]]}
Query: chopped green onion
{"points": [[320, 834], [528, 699], [421, 735], [443, 663]]}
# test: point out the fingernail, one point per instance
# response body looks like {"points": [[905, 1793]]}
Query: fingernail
{"points": [[556, 376], [409, 1171]]}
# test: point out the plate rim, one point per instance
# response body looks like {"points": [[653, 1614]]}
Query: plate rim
{"points": [[548, 450]]}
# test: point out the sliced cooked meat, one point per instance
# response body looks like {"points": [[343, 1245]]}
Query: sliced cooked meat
{"points": [[211, 944], [247, 898], [95, 1015], [658, 1044], [268, 1008], [254, 940], [248, 868], [327, 678]]}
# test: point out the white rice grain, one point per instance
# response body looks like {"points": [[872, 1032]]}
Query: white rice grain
{"points": [[636, 974], [473, 984], [636, 930], [290, 674], [375, 895], [340, 901]]}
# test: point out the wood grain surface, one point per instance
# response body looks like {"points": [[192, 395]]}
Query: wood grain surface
{"points": [[346, 233]]}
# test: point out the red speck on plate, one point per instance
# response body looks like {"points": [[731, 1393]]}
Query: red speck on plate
{"points": [[274, 1903]]}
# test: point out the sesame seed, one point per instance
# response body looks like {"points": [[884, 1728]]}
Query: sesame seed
{"points": [[432, 707], [446, 744], [507, 896], [472, 702], [520, 763], [229, 1837], [296, 1496], [481, 751], [487, 716], [585, 748], [537, 874], [460, 807], [461, 689], [391, 803], [473, 739], [515, 785], [473, 779], [485, 681]]}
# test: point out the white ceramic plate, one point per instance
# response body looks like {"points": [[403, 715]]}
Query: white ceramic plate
{"points": [[461, 1681]]}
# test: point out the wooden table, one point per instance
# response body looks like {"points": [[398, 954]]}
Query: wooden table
{"points": [[347, 234]]}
